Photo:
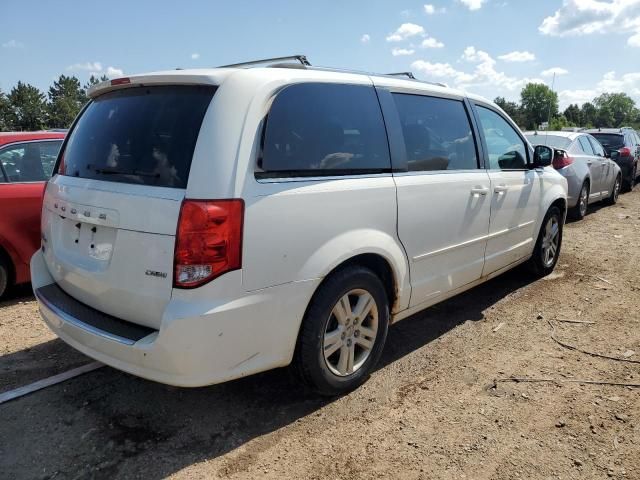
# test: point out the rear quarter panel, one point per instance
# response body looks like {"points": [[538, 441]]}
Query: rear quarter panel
{"points": [[20, 204]]}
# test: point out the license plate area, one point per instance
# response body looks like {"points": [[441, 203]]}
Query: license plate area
{"points": [[84, 244]]}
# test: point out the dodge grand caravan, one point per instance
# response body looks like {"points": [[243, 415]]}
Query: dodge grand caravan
{"points": [[205, 225]]}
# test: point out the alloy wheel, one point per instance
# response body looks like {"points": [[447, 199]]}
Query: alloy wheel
{"points": [[584, 200], [350, 332], [550, 241]]}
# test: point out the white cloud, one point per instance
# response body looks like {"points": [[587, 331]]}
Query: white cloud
{"points": [[518, 57], [432, 10], [557, 71], [195, 56], [396, 52], [96, 68], [114, 72], [431, 42], [484, 72], [366, 38], [473, 4], [628, 83], [404, 31], [88, 66], [13, 44], [585, 17]]}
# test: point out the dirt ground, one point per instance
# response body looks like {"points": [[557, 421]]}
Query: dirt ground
{"points": [[433, 409]]}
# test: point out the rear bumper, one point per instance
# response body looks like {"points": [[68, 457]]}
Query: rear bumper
{"points": [[626, 166], [200, 341]]}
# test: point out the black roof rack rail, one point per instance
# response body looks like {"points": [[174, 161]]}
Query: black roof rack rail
{"points": [[300, 58], [402, 74]]}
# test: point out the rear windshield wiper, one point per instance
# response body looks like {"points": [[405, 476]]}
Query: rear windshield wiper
{"points": [[114, 171]]}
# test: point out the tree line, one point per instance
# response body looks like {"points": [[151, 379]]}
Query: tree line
{"points": [[26, 108], [539, 104]]}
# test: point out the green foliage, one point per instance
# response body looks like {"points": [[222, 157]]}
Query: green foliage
{"points": [[588, 113], [538, 103], [6, 114], [28, 107], [558, 122], [619, 109], [66, 98], [511, 108], [573, 115]]}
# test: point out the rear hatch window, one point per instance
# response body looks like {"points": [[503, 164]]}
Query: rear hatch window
{"points": [[610, 141], [141, 135], [554, 141]]}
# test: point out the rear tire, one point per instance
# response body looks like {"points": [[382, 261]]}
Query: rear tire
{"points": [[615, 192], [547, 250], [580, 210], [339, 345], [4, 276], [630, 182]]}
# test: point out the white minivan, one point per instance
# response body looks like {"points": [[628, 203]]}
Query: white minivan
{"points": [[205, 225]]}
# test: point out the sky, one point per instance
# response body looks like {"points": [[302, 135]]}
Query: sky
{"points": [[489, 47]]}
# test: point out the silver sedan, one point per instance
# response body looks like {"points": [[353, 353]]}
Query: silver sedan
{"points": [[591, 175]]}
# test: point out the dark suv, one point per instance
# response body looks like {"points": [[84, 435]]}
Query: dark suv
{"points": [[623, 145]]}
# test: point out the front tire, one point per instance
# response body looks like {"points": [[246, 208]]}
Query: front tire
{"points": [[547, 249], [580, 210], [343, 332]]}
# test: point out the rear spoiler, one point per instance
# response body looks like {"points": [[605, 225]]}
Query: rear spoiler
{"points": [[171, 77]]}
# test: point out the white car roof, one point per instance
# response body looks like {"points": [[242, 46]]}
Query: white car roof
{"points": [[216, 76]]}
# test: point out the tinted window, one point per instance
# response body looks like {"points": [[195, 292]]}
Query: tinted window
{"points": [[507, 151], [554, 141], [437, 133], [324, 129], [585, 145], [30, 161], [140, 135], [610, 141], [597, 148]]}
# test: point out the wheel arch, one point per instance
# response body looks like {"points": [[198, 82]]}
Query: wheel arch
{"points": [[5, 255]]}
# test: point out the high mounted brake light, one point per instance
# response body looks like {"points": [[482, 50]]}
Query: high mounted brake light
{"points": [[208, 241], [120, 81]]}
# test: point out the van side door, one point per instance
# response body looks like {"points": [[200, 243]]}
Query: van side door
{"points": [[443, 193], [515, 195]]}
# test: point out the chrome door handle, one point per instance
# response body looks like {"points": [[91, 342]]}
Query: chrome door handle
{"points": [[479, 191], [500, 188]]}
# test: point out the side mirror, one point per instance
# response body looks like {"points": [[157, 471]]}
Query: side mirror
{"points": [[542, 156], [614, 154]]}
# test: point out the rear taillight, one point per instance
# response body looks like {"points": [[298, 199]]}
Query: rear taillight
{"points": [[561, 159], [208, 241], [625, 152]]}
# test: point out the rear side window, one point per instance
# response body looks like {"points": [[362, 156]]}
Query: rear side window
{"points": [[143, 135], [316, 129], [596, 146], [29, 161], [585, 145], [437, 133], [554, 141]]}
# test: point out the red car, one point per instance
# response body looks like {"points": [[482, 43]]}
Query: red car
{"points": [[26, 162]]}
